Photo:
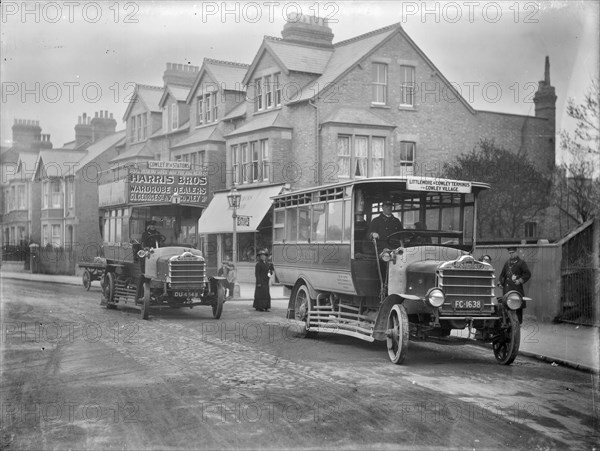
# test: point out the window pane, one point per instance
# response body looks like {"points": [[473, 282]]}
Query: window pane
{"points": [[334, 223], [318, 223], [347, 221], [377, 156], [291, 224], [343, 148], [362, 155], [303, 223]]}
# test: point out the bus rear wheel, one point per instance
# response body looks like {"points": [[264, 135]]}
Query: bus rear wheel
{"points": [[397, 334], [302, 307]]}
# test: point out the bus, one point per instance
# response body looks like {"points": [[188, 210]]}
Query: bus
{"points": [[422, 282]]}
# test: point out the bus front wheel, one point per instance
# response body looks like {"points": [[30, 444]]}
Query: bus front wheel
{"points": [[397, 334], [302, 307]]}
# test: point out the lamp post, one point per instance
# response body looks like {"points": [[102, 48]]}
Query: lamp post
{"points": [[234, 198]]}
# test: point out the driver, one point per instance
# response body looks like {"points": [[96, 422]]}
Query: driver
{"points": [[383, 226], [151, 235]]}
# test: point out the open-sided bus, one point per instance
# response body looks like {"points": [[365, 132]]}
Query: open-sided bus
{"points": [[425, 285]]}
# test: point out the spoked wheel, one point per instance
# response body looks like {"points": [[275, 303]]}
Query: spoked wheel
{"points": [[397, 334], [217, 308], [145, 307], [108, 290], [506, 343], [302, 309], [86, 278]]}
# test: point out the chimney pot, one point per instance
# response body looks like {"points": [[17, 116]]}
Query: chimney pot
{"points": [[111, 115]]}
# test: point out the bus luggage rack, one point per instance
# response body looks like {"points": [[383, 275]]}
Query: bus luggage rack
{"points": [[344, 319]]}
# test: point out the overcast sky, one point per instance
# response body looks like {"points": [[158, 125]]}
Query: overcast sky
{"points": [[61, 59]]}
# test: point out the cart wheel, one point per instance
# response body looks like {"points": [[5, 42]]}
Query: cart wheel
{"points": [[108, 290], [86, 278], [506, 343], [145, 311], [217, 308], [302, 307], [397, 334]]}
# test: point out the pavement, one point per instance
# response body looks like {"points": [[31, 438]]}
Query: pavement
{"points": [[571, 345]]}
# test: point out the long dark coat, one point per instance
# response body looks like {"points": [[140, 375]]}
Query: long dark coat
{"points": [[262, 295], [519, 268]]}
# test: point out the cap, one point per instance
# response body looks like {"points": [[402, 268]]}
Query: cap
{"points": [[387, 202], [511, 248], [263, 252], [153, 222]]}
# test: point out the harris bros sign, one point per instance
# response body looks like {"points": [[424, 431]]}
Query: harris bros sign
{"points": [[160, 185]]}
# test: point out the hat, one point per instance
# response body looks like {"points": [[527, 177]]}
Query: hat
{"points": [[511, 249], [387, 202], [262, 252], [153, 222]]}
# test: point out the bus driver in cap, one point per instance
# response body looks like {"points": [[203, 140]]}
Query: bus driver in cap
{"points": [[384, 225]]}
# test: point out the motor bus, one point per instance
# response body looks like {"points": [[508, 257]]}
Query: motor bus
{"points": [[423, 284]]}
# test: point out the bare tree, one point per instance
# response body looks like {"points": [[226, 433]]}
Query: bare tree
{"points": [[519, 191], [577, 181]]}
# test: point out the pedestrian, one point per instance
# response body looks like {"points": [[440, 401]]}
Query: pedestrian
{"points": [[263, 272], [514, 274], [227, 270]]}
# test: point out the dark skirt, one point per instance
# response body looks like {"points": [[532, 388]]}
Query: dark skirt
{"points": [[262, 297]]}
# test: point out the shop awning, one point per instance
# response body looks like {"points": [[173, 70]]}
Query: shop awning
{"points": [[254, 205]]}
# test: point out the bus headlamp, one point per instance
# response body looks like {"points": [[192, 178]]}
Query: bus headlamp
{"points": [[385, 255], [513, 300], [435, 297]]}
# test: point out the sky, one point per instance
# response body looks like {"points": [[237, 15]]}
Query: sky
{"points": [[61, 59]]}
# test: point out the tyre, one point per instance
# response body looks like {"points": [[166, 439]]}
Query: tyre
{"points": [[217, 307], [302, 308], [506, 343], [86, 279], [145, 307], [397, 334], [108, 290]]}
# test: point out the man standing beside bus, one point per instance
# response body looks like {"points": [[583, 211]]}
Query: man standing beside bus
{"points": [[384, 225], [514, 274]]}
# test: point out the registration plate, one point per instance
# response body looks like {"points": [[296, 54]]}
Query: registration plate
{"points": [[467, 304], [185, 294]]}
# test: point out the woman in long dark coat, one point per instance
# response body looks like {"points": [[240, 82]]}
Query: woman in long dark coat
{"points": [[262, 271]]}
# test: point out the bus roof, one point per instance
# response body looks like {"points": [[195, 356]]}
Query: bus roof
{"points": [[415, 183]]}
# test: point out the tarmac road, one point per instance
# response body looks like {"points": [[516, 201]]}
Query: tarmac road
{"points": [[75, 375]]}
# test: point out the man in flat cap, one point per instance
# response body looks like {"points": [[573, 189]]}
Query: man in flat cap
{"points": [[514, 274], [151, 236], [383, 226]]}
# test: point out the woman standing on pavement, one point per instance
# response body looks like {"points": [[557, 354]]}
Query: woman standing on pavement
{"points": [[263, 271]]}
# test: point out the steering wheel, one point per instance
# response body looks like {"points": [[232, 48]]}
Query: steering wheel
{"points": [[402, 237]]}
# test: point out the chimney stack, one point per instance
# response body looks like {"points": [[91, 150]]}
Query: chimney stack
{"points": [[83, 130], [26, 134], [102, 125], [180, 74], [308, 30]]}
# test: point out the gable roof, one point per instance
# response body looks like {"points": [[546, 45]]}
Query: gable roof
{"points": [[228, 75], [26, 163], [273, 119], [101, 146], [144, 150], [291, 56], [60, 163], [179, 93], [149, 95], [349, 53]]}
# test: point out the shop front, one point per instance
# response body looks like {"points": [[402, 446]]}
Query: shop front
{"points": [[253, 229]]}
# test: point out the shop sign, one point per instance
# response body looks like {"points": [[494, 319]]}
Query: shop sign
{"points": [[185, 165], [243, 221], [160, 186]]}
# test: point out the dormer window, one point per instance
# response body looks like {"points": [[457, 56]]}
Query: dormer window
{"points": [[174, 116], [138, 127], [206, 108], [267, 92]]}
